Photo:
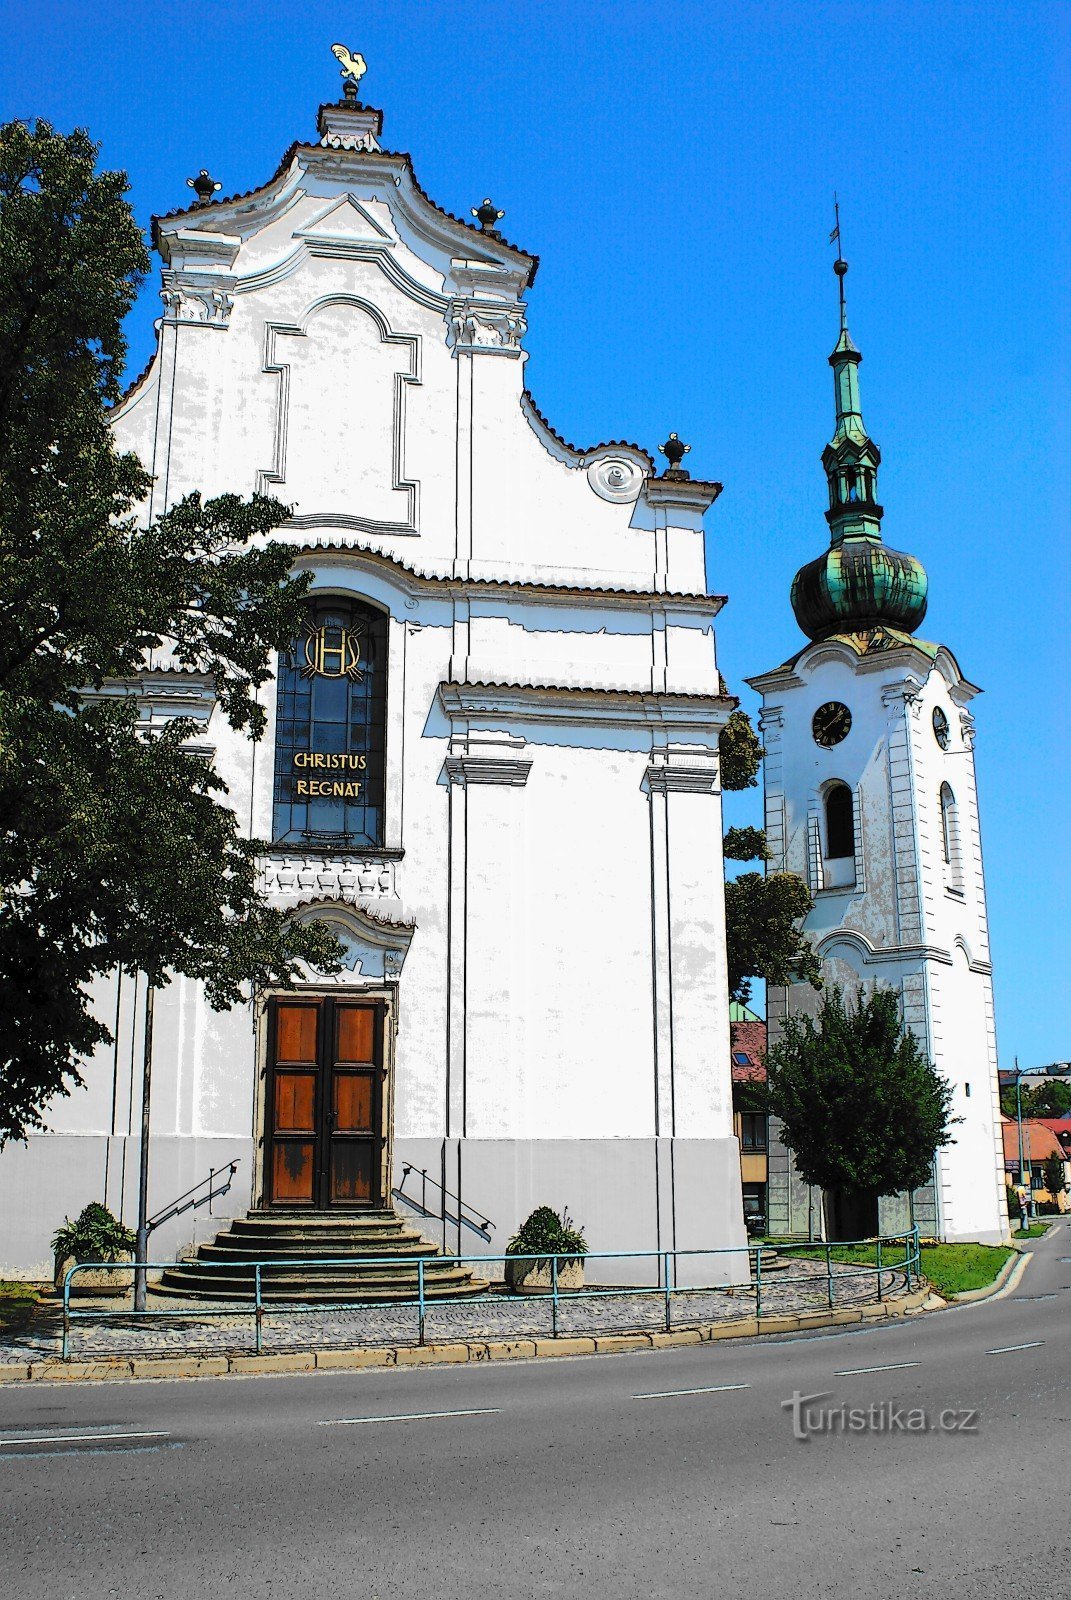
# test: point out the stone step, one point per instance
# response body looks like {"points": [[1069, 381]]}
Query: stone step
{"points": [[224, 1269], [186, 1283], [226, 1248], [217, 1260]]}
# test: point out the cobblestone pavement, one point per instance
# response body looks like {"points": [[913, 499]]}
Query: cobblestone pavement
{"points": [[104, 1328]]}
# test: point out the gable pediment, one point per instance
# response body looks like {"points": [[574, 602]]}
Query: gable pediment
{"points": [[344, 219]]}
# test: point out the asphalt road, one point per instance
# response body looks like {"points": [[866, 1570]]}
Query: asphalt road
{"points": [[662, 1474]]}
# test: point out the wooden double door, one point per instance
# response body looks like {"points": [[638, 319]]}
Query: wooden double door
{"points": [[325, 1103]]}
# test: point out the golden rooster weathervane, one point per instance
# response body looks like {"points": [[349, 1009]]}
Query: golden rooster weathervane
{"points": [[353, 68]]}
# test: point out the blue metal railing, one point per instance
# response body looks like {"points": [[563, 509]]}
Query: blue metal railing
{"points": [[667, 1272]]}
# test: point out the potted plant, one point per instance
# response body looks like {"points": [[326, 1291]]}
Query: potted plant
{"points": [[546, 1234], [94, 1236]]}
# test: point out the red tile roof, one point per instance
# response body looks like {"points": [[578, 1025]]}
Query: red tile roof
{"points": [[1039, 1140], [748, 1039]]}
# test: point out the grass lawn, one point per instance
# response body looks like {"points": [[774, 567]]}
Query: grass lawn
{"points": [[1036, 1229], [17, 1301], [951, 1268]]}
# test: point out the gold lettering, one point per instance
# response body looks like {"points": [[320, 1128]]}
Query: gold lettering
{"points": [[302, 786]]}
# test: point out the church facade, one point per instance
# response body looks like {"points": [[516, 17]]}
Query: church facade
{"points": [[871, 799], [491, 761]]}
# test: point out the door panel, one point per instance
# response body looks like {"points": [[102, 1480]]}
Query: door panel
{"points": [[325, 1105], [354, 1096], [356, 1033], [295, 1102], [293, 1171], [351, 1172], [295, 1031]]}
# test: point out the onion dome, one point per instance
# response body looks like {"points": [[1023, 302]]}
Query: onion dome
{"points": [[859, 583], [856, 586]]}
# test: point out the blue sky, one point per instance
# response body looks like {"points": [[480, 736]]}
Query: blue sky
{"points": [[673, 165]]}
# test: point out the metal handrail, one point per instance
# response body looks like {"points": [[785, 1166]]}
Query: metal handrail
{"points": [[667, 1287], [177, 1208], [483, 1226]]}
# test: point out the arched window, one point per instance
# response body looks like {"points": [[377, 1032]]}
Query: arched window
{"points": [[840, 823], [948, 825], [330, 729]]}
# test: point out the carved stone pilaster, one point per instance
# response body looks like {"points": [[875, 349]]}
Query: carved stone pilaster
{"points": [[203, 303], [486, 327]]}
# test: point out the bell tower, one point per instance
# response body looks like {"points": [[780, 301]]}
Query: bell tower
{"points": [[871, 799]]}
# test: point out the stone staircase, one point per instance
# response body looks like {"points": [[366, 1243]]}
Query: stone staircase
{"points": [[224, 1269]]}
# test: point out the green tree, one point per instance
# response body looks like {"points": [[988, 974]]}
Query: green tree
{"points": [[862, 1109], [117, 845], [1055, 1175], [763, 911], [1052, 1099]]}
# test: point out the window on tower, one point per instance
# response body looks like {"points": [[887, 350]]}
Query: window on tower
{"points": [[840, 823], [950, 840]]}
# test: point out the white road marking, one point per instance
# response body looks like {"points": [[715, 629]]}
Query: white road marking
{"points": [[410, 1416], [95, 1450], [892, 1366], [712, 1388], [84, 1438], [1005, 1349]]}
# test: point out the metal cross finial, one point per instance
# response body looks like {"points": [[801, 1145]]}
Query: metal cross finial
{"points": [[487, 215], [203, 186], [674, 452], [840, 266]]}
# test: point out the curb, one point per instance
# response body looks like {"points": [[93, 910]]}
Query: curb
{"points": [[127, 1368], [1005, 1282]]}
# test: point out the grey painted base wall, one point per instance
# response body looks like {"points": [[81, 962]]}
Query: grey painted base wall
{"points": [[627, 1195], [55, 1175]]}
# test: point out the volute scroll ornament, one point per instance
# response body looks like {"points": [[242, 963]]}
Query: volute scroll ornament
{"points": [[616, 479]]}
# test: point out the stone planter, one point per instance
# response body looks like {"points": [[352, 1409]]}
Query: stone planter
{"points": [[108, 1283], [536, 1277]]}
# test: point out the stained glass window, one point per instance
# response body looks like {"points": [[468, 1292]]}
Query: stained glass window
{"points": [[330, 729]]}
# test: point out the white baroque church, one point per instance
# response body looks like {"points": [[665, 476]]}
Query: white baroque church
{"points": [[491, 762]]}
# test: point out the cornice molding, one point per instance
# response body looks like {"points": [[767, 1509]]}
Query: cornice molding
{"points": [[506, 771]]}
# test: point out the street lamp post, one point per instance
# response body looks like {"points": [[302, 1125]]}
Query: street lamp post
{"points": [[1024, 1220], [141, 1247]]}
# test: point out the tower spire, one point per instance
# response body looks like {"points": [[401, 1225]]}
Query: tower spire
{"points": [[859, 584]]}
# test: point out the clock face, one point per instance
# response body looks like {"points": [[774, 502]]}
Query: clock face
{"points": [[831, 723], [941, 730]]}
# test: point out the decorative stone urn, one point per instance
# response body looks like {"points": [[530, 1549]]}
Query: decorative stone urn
{"points": [[109, 1283], [536, 1277]]}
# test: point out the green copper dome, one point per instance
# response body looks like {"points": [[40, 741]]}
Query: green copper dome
{"points": [[858, 585]]}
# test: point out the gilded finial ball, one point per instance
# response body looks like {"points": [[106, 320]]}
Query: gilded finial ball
{"points": [[487, 214], [840, 266], [204, 186]]}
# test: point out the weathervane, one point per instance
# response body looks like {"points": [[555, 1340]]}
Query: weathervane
{"points": [[840, 266], [353, 69]]}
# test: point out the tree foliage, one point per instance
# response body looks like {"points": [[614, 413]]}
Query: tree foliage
{"points": [[1055, 1175], [118, 847], [1052, 1099], [862, 1109], [762, 924], [740, 752], [763, 912]]}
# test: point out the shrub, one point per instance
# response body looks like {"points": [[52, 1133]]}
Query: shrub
{"points": [[1015, 1209], [95, 1236], [547, 1233]]}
